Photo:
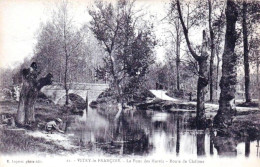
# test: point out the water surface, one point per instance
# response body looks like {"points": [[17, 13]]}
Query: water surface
{"points": [[150, 133]]}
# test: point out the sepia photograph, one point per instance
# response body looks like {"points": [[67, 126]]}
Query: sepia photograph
{"points": [[129, 83]]}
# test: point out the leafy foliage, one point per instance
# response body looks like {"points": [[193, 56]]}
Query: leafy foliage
{"points": [[128, 51]]}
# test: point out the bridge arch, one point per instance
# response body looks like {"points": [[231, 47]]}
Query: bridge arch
{"points": [[56, 92], [72, 97]]}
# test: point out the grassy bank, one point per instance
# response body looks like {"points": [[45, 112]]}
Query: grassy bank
{"points": [[15, 140]]}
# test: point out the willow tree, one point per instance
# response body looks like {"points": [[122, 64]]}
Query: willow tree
{"points": [[228, 81]]}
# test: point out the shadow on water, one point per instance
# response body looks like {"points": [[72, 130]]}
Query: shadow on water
{"points": [[150, 133]]}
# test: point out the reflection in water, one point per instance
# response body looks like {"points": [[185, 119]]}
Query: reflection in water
{"points": [[226, 146], [201, 144], [211, 142], [178, 136], [148, 132], [247, 147], [257, 150]]}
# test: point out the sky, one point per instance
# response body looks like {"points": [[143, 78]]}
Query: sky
{"points": [[20, 21]]}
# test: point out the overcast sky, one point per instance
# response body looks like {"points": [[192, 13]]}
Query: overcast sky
{"points": [[20, 20]]}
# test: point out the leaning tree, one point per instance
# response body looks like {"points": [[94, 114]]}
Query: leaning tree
{"points": [[31, 86]]}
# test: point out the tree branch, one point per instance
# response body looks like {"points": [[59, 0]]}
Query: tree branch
{"points": [[185, 31]]}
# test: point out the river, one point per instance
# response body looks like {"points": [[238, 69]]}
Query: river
{"points": [[148, 133]]}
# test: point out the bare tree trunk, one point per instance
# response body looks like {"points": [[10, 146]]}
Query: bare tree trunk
{"points": [[65, 82], [60, 80], [66, 62], [257, 79], [178, 43], [246, 51], [203, 72], [228, 81], [29, 92], [218, 60], [29, 115], [117, 87], [202, 84], [178, 61], [217, 52], [23, 102], [201, 91], [212, 53]]}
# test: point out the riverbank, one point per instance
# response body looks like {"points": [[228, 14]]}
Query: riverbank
{"points": [[34, 139], [246, 121], [15, 140]]}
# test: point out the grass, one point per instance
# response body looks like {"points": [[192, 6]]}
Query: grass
{"points": [[9, 107], [13, 141]]}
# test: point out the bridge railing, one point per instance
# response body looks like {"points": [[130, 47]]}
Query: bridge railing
{"points": [[77, 83], [77, 86]]}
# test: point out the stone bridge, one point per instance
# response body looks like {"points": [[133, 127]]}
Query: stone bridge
{"points": [[90, 91]]}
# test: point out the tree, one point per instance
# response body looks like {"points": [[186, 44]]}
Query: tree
{"points": [[203, 68], [67, 41], [128, 50], [246, 52], [61, 49], [228, 80], [177, 36], [212, 52], [29, 92], [250, 20], [171, 73], [218, 27], [255, 61]]}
